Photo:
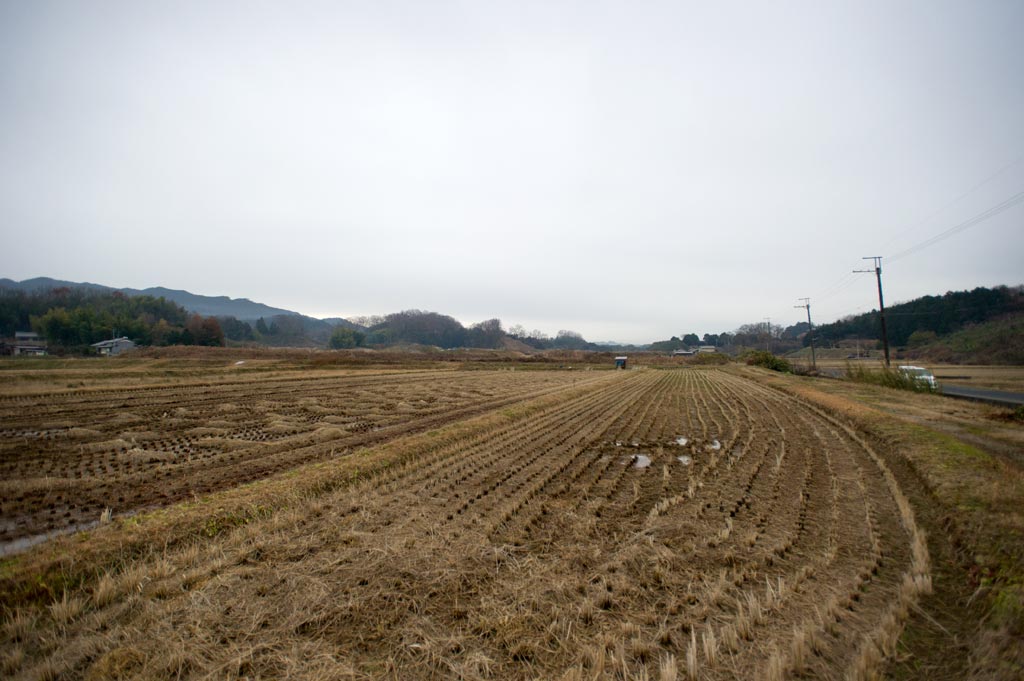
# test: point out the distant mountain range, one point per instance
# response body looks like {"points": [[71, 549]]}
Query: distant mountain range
{"points": [[207, 306], [287, 328]]}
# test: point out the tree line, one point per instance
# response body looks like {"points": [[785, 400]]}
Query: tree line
{"points": [[927, 317], [73, 319], [419, 327], [747, 336]]}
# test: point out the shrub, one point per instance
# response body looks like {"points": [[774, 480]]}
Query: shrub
{"points": [[765, 359], [886, 376], [343, 338]]}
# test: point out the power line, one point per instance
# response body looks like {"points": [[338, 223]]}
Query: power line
{"points": [[838, 284], [848, 281], [979, 218], [954, 201]]}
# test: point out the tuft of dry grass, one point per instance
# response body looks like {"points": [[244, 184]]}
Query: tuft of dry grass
{"points": [[867, 663], [588, 611], [710, 645], [692, 666], [730, 639], [668, 670], [744, 628], [754, 609], [67, 609], [799, 648], [18, 624], [11, 660], [776, 670], [105, 591], [641, 650], [47, 670]]}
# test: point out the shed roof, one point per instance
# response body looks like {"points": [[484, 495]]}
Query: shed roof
{"points": [[111, 343]]}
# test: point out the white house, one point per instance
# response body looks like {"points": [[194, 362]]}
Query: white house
{"points": [[113, 347]]}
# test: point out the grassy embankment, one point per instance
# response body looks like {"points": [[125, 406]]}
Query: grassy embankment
{"points": [[955, 462]]}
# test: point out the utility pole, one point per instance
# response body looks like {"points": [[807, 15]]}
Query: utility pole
{"points": [[768, 343], [881, 304], [810, 330]]}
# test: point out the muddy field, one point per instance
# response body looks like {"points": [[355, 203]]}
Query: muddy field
{"points": [[642, 524]]}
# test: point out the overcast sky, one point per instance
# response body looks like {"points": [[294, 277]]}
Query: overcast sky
{"points": [[631, 171]]}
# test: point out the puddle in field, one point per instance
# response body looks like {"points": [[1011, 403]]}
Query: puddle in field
{"points": [[715, 445], [681, 441], [16, 546], [641, 461], [10, 548], [685, 460]]}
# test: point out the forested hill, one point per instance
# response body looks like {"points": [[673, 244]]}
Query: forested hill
{"points": [[72, 319], [938, 315], [207, 306]]}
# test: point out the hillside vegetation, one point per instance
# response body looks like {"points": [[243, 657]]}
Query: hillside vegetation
{"points": [[999, 341], [72, 319], [920, 321]]}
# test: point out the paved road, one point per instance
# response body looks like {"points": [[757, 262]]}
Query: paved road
{"points": [[1000, 397]]}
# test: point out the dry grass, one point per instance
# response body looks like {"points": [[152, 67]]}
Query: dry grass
{"points": [[710, 646], [668, 670], [800, 648], [509, 546], [67, 609], [776, 669], [18, 624], [692, 662], [11, 660], [105, 591]]}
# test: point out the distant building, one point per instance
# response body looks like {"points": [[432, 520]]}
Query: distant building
{"points": [[682, 353], [707, 348], [24, 343], [620, 362], [113, 347]]}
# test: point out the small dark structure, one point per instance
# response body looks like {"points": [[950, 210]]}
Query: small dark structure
{"points": [[620, 362]]}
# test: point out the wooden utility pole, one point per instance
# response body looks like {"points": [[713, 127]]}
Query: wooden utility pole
{"points": [[768, 343], [810, 330], [881, 303]]}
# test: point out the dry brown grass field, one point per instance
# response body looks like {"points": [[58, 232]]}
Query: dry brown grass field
{"points": [[290, 521], [997, 377], [1010, 378]]}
